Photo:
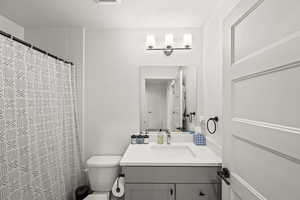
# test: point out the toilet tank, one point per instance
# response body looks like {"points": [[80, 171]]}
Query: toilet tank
{"points": [[102, 172]]}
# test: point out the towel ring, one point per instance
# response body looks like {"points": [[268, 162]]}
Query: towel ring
{"points": [[214, 120]]}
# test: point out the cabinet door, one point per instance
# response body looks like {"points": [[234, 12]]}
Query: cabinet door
{"points": [[198, 192], [149, 192]]}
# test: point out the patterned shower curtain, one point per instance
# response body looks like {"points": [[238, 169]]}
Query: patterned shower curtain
{"points": [[39, 146]]}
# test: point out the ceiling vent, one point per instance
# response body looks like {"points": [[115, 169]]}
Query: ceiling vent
{"points": [[108, 1]]}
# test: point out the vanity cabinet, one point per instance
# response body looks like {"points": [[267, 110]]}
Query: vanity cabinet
{"points": [[198, 191], [150, 192], [173, 192], [172, 183]]}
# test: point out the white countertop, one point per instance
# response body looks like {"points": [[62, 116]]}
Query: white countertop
{"points": [[175, 154]]}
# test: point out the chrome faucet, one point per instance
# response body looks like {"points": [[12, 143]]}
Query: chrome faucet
{"points": [[168, 136]]}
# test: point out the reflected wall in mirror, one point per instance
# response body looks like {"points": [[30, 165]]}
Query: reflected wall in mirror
{"points": [[168, 98]]}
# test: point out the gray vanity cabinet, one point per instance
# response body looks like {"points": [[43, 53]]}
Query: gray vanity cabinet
{"points": [[172, 183], [150, 192], [198, 191]]}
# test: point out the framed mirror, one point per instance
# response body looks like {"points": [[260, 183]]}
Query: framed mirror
{"points": [[167, 98]]}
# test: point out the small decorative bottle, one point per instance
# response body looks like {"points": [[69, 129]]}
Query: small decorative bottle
{"points": [[140, 139], [146, 139], [160, 137], [133, 139]]}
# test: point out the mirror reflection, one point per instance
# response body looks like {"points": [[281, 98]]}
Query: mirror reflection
{"points": [[168, 98]]}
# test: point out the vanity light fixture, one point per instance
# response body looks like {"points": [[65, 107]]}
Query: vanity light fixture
{"points": [[150, 41], [169, 43]]}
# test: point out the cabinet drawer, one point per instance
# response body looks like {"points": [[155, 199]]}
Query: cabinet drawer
{"points": [[198, 191], [171, 175], [149, 192]]}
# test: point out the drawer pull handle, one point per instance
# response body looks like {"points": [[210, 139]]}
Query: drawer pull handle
{"points": [[171, 192], [201, 193]]}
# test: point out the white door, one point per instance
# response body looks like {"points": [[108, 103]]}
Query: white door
{"points": [[262, 100], [156, 104]]}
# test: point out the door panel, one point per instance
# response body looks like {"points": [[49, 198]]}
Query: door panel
{"points": [[266, 170], [198, 191], [149, 192], [269, 97], [262, 95], [243, 191], [265, 24], [283, 141]]}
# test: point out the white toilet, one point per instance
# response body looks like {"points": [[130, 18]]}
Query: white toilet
{"points": [[102, 172]]}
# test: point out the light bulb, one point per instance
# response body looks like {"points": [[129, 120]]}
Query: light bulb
{"points": [[187, 40], [169, 40], [150, 42]]}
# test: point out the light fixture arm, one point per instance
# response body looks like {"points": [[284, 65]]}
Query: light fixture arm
{"points": [[169, 50]]}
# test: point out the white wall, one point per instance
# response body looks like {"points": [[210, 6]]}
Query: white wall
{"points": [[69, 44], [113, 58], [66, 43], [11, 27], [190, 76], [213, 66]]}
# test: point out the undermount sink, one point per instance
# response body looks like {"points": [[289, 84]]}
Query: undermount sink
{"points": [[172, 151]]}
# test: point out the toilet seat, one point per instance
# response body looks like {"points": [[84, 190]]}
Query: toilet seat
{"points": [[98, 196]]}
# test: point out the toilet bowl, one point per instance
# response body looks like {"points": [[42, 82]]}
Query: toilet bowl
{"points": [[102, 172]]}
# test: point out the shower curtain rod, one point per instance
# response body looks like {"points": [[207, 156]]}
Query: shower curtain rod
{"points": [[33, 47]]}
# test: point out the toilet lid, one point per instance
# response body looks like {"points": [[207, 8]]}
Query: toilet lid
{"points": [[97, 197], [103, 161]]}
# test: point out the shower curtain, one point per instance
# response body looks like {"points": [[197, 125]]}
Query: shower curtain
{"points": [[39, 146]]}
